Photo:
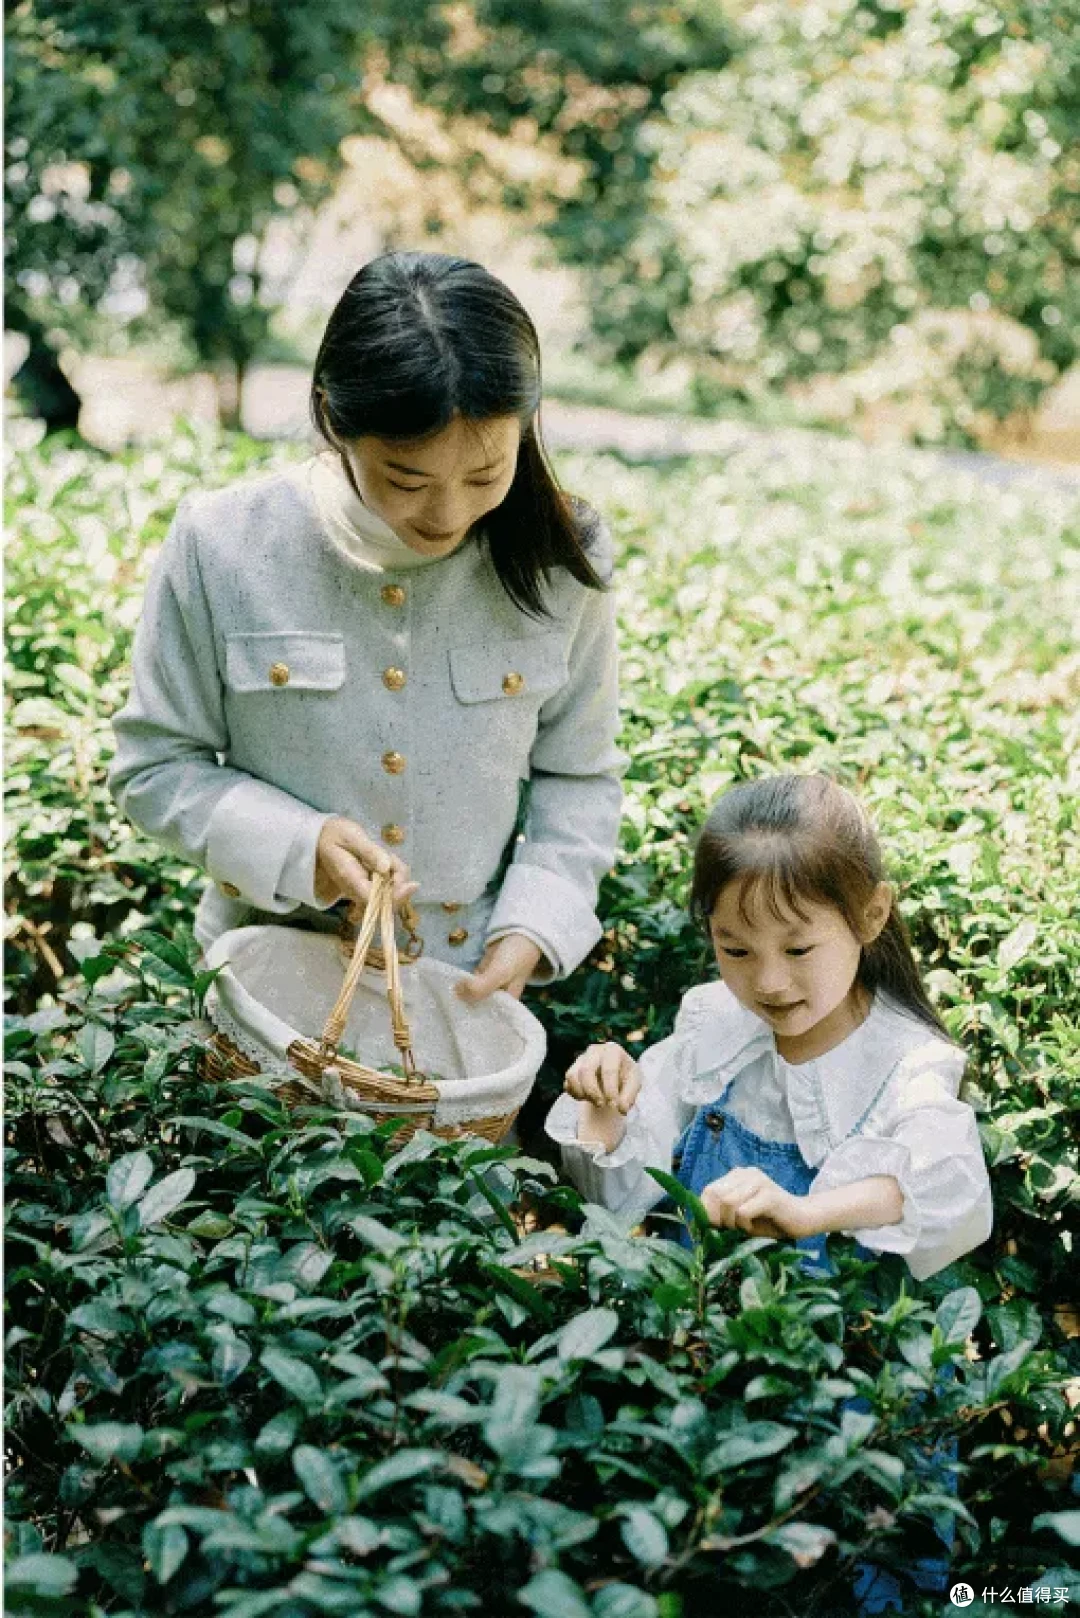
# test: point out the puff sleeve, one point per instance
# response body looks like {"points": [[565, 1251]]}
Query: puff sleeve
{"points": [[928, 1140]]}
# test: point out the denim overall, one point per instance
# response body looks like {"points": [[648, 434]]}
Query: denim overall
{"points": [[712, 1145]]}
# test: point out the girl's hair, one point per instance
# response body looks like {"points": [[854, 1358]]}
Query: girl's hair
{"points": [[800, 838], [418, 339]]}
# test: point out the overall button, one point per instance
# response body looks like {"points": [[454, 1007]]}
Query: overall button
{"points": [[513, 683], [458, 936], [715, 1122], [393, 835], [393, 595], [229, 889], [393, 679], [393, 763], [279, 674]]}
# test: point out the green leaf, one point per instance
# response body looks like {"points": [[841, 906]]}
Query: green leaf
{"points": [[165, 1549], [586, 1334], [96, 1045], [47, 1576], [684, 1199], [958, 1314], [623, 1601], [552, 1594], [806, 1543], [99, 1320], [166, 1197], [377, 1235], [106, 1441], [751, 1442], [400, 1467], [321, 1480], [295, 1376], [230, 1358], [644, 1536], [128, 1178], [1066, 1524]]}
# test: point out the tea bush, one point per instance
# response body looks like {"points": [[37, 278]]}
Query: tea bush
{"points": [[187, 1273], [261, 1364]]}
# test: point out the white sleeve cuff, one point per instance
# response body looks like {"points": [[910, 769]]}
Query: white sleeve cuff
{"points": [[297, 879], [253, 831], [550, 911]]}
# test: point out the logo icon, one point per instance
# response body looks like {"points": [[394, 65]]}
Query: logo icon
{"points": [[961, 1595]]}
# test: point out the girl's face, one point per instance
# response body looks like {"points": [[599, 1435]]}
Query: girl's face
{"points": [[431, 493], [798, 973]]}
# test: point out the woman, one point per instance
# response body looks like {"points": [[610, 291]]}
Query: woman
{"points": [[400, 653]]}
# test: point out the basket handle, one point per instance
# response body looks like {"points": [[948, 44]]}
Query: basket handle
{"points": [[378, 912]]}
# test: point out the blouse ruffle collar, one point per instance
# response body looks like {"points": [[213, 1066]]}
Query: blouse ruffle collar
{"points": [[829, 1097]]}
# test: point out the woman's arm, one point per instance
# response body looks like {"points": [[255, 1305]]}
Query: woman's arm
{"points": [[248, 835]]}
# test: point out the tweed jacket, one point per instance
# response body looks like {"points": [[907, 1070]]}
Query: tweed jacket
{"points": [[277, 683]]}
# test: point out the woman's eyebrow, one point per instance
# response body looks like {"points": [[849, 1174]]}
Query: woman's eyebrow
{"points": [[418, 471]]}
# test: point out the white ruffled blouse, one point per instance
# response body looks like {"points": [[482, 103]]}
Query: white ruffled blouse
{"points": [[883, 1101]]}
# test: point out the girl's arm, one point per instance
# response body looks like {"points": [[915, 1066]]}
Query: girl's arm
{"points": [[927, 1140], [606, 1156], [549, 892]]}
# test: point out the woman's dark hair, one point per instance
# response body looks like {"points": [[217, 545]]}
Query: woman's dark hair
{"points": [[799, 838], [418, 339]]}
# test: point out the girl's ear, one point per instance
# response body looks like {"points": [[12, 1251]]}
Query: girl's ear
{"points": [[877, 912]]}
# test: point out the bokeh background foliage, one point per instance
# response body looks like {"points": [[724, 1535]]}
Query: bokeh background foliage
{"points": [[259, 1364], [881, 618], [861, 205]]}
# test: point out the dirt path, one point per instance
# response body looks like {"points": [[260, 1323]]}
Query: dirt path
{"points": [[126, 402]]}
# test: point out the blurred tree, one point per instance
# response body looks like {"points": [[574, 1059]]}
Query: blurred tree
{"points": [[153, 143], [887, 190]]}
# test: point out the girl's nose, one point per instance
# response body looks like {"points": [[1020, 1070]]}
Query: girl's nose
{"points": [[770, 982]]}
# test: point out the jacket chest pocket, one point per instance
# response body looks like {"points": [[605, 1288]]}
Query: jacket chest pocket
{"points": [[511, 673], [284, 660]]}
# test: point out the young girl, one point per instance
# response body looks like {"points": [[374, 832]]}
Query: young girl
{"points": [[813, 1088], [399, 654]]}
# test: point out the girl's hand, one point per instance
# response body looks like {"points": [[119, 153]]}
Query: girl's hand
{"points": [[507, 964], [344, 860], [607, 1081], [605, 1076], [746, 1199]]}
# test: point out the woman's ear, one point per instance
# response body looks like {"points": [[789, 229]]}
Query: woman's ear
{"points": [[876, 913]]}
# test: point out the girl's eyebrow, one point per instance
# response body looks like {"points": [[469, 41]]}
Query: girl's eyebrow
{"points": [[418, 472]]}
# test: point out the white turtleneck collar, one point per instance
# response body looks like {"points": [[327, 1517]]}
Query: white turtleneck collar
{"points": [[353, 528]]}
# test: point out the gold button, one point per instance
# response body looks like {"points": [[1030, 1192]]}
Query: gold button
{"points": [[230, 890], [458, 936], [393, 835], [393, 763], [279, 674], [393, 595], [450, 906], [393, 679], [513, 683]]}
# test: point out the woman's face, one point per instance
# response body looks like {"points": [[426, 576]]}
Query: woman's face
{"points": [[432, 492]]}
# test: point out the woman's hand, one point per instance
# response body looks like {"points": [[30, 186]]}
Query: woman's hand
{"points": [[607, 1082], [507, 964], [344, 861], [746, 1199]]}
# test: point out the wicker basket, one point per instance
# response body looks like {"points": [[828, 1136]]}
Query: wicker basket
{"points": [[483, 1059]]}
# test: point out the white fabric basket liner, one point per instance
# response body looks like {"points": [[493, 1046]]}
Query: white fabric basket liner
{"points": [[486, 1056]]}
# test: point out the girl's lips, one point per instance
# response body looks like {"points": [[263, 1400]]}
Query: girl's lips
{"points": [[780, 1011]]}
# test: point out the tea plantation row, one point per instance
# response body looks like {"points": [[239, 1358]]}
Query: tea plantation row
{"points": [[255, 1367]]}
